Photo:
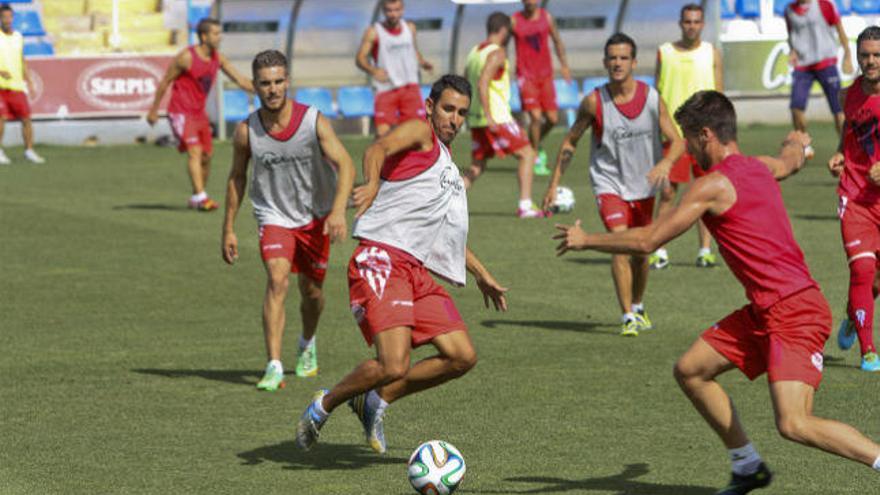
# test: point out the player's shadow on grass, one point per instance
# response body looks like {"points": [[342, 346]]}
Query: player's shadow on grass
{"points": [[624, 483], [151, 206], [570, 326], [324, 456], [238, 377], [821, 218]]}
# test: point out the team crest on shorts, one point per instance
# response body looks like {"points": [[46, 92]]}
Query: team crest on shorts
{"points": [[818, 360], [374, 266]]}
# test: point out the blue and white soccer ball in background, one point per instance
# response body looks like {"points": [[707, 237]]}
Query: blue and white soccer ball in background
{"points": [[436, 468], [564, 200]]}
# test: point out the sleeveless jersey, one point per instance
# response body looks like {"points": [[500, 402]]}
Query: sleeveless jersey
{"points": [[396, 54], [861, 145], [421, 208], [754, 235], [499, 88], [627, 148], [532, 39], [11, 46], [190, 91], [292, 182], [683, 73], [809, 33]]}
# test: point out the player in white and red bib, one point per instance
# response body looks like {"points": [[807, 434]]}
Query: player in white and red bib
{"points": [[190, 77], [626, 165], [783, 329], [390, 56], [412, 222], [301, 181]]}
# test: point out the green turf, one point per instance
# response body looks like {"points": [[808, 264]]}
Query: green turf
{"points": [[129, 351]]}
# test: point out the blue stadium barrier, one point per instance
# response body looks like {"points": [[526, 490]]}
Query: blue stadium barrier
{"points": [[28, 23], [780, 5], [592, 83], [748, 9], [355, 101], [18, 1], [842, 7], [38, 48], [197, 13], [426, 91], [515, 100], [726, 11], [567, 98], [235, 105], [318, 97], [865, 6]]}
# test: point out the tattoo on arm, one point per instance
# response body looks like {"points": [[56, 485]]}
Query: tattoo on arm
{"points": [[566, 158]]}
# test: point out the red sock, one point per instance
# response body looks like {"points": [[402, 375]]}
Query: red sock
{"points": [[861, 300]]}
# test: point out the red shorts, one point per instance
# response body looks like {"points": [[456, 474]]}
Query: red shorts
{"points": [[509, 139], [537, 94], [399, 105], [785, 340], [307, 248], [616, 212], [388, 288], [683, 168], [859, 228], [14, 105], [192, 130]]}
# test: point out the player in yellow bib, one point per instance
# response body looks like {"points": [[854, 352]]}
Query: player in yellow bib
{"points": [[683, 68], [14, 81], [494, 132]]}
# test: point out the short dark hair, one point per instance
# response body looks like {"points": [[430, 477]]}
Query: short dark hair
{"points": [[268, 58], [5, 7], [621, 39], [450, 81], [690, 7], [869, 33], [386, 2], [496, 21], [709, 109], [204, 26]]}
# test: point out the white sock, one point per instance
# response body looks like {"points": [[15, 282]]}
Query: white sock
{"points": [[303, 343], [638, 308], [199, 197], [525, 204], [276, 364], [375, 401], [704, 251], [627, 317], [876, 465], [745, 460], [662, 253], [319, 408]]}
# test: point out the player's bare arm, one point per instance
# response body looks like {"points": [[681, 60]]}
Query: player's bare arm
{"points": [[362, 59], [423, 62], [791, 155], [181, 63], [586, 116], [26, 74], [836, 162], [718, 67], [491, 289], [494, 63], [237, 77], [559, 46], [235, 187], [660, 173], [333, 150], [411, 134], [844, 43], [713, 193]]}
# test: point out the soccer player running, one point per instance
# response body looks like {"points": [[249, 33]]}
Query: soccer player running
{"points": [[683, 68], [390, 56], [412, 221], [532, 29], [14, 82], [191, 75], [301, 182], [857, 162], [783, 329], [494, 132], [813, 54], [626, 165]]}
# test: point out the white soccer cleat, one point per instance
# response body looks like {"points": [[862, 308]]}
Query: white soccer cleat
{"points": [[4, 160], [33, 157]]}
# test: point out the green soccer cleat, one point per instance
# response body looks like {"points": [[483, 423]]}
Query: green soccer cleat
{"points": [[706, 260], [630, 328], [658, 260], [740, 485], [870, 362], [371, 420], [643, 320], [272, 380], [541, 164], [307, 361]]}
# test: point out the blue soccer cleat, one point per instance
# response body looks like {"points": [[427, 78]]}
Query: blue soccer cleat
{"points": [[870, 362], [846, 334]]}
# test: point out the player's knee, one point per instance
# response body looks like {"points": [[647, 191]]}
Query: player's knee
{"points": [[552, 119], [311, 293], [394, 371], [793, 427], [464, 362], [279, 283], [685, 373]]}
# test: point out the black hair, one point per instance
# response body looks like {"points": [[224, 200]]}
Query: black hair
{"points": [[496, 21], [450, 81], [268, 58], [709, 109], [621, 39]]}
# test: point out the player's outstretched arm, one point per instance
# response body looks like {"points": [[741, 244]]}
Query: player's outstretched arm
{"points": [[791, 156], [362, 59], [659, 175], [711, 193], [586, 116], [333, 149], [491, 289], [411, 134], [241, 155], [237, 77], [181, 62], [423, 62], [844, 43], [837, 161], [560, 49]]}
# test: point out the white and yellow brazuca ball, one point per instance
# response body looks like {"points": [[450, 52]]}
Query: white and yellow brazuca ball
{"points": [[564, 200], [436, 468]]}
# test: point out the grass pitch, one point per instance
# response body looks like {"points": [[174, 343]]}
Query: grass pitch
{"points": [[130, 351]]}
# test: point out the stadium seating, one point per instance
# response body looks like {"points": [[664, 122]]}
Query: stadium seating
{"points": [[592, 83], [842, 7], [318, 97], [748, 9], [28, 23], [726, 11], [38, 48], [355, 101], [567, 98], [780, 5], [865, 6], [235, 105]]}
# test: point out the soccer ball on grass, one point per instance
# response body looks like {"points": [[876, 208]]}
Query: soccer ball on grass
{"points": [[564, 200], [436, 468]]}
